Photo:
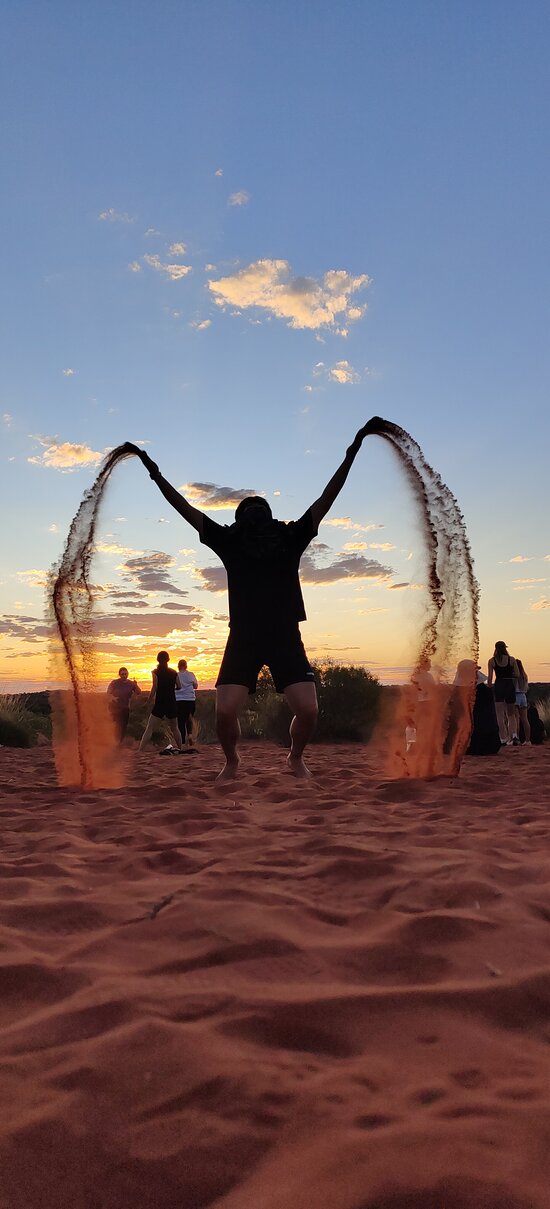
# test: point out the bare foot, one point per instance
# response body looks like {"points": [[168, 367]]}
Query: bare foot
{"points": [[229, 771], [297, 767]]}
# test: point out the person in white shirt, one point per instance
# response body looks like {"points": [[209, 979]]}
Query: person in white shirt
{"points": [[186, 686]]}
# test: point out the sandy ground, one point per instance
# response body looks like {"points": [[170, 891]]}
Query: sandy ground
{"points": [[276, 996]]}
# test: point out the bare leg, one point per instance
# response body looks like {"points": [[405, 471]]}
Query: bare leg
{"points": [[502, 717], [230, 699], [525, 723], [147, 732], [512, 722], [302, 698], [175, 732]]}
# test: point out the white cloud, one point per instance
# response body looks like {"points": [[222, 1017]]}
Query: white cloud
{"points": [[8, 420], [520, 558], [68, 373], [239, 199], [343, 372], [218, 172], [53, 528], [173, 271], [303, 301], [543, 603], [113, 215], [64, 455], [345, 522], [34, 577], [356, 545], [200, 325], [152, 231], [134, 266], [177, 249], [382, 546], [115, 548]]}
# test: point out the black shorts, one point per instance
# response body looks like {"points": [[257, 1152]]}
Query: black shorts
{"points": [[164, 709], [505, 690], [281, 649]]}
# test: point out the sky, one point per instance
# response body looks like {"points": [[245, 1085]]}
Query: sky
{"points": [[232, 232]]}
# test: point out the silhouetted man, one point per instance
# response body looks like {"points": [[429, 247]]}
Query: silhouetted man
{"points": [[262, 556]]}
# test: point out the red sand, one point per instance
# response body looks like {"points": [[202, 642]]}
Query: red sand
{"points": [[343, 1001]]}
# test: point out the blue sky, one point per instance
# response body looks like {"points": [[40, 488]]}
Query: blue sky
{"points": [[181, 185]]}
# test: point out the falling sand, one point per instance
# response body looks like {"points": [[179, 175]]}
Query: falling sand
{"points": [[429, 731], [431, 727]]}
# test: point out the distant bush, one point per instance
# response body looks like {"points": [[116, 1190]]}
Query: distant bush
{"points": [[349, 703], [19, 726], [543, 708]]}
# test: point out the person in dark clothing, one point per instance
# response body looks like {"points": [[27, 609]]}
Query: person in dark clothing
{"points": [[261, 556], [120, 693], [503, 668], [485, 737], [162, 700], [536, 726]]}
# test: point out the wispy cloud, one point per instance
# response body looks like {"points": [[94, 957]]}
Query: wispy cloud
{"points": [[112, 215], [239, 199], [134, 266], [218, 172], [35, 578], [543, 603], [115, 548], [303, 301], [213, 497], [177, 249], [150, 572], [521, 584], [200, 325], [402, 586], [68, 373], [174, 271], [64, 455], [345, 522], [7, 419], [212, 579], [313, 570], [151, 231], [520, 558]]}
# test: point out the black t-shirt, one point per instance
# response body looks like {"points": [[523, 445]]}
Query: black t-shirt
{"points": [[262, 569]]}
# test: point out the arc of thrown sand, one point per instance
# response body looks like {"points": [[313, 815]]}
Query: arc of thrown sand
{"points": [[72, 599], [452, 586], [449, 565]]}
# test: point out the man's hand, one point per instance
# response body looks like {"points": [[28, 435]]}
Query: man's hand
{"points": [[148, 462], [371, 426]]}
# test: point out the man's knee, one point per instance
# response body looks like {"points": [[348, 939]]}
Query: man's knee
{"points": [[307, 712]]}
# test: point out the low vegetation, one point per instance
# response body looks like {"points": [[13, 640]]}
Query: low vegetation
{"points": [[20, 725]]}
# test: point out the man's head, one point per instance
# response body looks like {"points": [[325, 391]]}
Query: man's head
{"points": [[255, 509], [123, 673], [182, 665], [163, 658]]}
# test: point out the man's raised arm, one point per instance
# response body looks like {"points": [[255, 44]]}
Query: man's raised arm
{"points": [[333, 488], [193, 515]]}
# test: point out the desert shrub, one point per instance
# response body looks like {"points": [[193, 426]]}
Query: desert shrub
{"points": [[543, 707], [349, 703], [18, 726]]}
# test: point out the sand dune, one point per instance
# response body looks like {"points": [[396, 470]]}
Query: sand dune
{"points": [[276, 995]]}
